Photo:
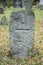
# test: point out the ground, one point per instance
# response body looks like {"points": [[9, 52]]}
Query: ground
{"points": [[37, 57]]}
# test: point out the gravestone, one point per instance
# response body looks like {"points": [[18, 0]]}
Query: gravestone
{"points": [[21, 31], [3, 21], [18, 3], [1, 10], [40, 4]]}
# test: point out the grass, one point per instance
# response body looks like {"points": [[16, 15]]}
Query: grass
{"points": [[37, 58]]}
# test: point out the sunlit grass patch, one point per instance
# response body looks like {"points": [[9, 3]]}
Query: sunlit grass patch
{"points": [[38, 13]]}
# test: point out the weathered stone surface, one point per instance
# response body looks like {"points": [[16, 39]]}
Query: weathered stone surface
{"points": [[29, 4], [3, 21], [21, 33]]}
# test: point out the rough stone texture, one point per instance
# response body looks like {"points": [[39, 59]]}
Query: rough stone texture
{"points": [[3, 21], [21, 33], [28, 4]]}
